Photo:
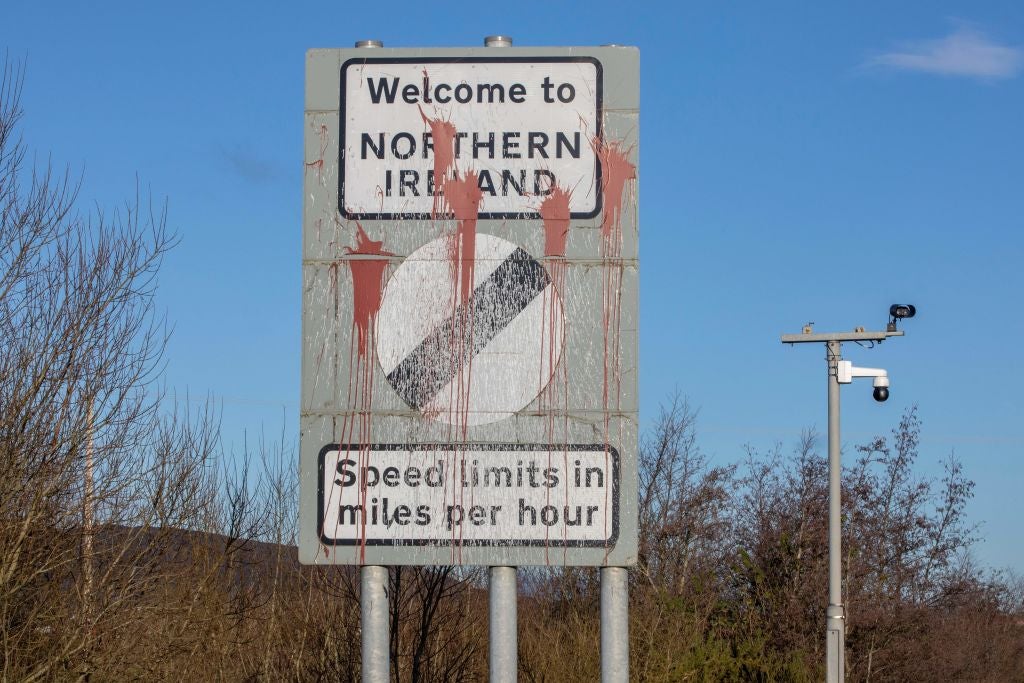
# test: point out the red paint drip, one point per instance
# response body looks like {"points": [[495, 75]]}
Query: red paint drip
{"points": [[554, 210], [443, 135], [462, 201], [616, 169], [462, 197], [367, 291], [367, 284], [553, 399]]}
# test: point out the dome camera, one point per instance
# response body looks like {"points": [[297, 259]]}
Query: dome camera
{"points": [[846, 371], [881, 392]]}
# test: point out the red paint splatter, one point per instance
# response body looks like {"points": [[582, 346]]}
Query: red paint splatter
{"points": [[462, 197], [367, 291], [554, 210], [367, 284], [616, 169], [553, 400], [443, 135]]}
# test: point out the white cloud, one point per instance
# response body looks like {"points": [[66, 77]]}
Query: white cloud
{"points": [[965, 52]]}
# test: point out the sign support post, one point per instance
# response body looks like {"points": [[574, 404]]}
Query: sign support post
{"points": [[504, 662], [614, 625], [373, 607]]}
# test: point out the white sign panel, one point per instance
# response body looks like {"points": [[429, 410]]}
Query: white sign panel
{"points": [[523, 125], [507, 494], [509, 336]]}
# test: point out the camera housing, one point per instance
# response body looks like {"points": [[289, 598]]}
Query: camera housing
{"points": [[881, 392], [900, 311], [846, 371]]}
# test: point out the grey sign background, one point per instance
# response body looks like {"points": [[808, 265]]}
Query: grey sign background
{"points": [[327, 326]]}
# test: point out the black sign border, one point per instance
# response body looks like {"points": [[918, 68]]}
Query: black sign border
{"points": [[464, 60], [444, 543]]}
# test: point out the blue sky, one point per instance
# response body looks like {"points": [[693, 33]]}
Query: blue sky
{"points": [[799, 163]]}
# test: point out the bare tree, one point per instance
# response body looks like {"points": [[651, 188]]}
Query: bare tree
{"points": [[100, 476]]}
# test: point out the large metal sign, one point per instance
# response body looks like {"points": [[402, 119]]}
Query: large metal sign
{"points": [[469, 364]]}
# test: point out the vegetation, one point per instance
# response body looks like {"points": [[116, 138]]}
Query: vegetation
{"points": [[129, 549]]}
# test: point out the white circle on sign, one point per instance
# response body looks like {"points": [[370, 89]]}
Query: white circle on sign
{"points": [[475, 361]]}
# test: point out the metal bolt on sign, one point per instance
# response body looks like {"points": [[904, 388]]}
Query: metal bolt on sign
{"points": [[497, 41]]}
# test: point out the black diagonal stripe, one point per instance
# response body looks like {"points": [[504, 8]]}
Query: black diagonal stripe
{"points": [[492, 306]]}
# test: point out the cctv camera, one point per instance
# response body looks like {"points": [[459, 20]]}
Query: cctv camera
{"points": [[881, 392], [900, 311], [845, 372]]}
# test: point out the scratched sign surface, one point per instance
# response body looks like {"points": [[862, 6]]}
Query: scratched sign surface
{"points": [[469, 343]]}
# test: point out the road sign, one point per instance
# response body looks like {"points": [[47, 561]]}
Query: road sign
{"points": [[524, 124], [469, 365], [429, 346], [539, 495]]}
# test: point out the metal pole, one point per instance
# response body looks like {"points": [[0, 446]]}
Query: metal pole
{"points": [[835, 618], [835, 615], [373, 603], [614, 625], [504, 663]]}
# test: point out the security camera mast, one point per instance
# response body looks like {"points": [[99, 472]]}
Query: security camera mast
{"points": [[843, 372]]}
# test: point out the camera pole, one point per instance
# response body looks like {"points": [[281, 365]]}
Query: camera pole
{"points": [[835, 615]]}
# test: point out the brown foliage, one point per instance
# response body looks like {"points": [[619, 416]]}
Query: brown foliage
{"points": [[732, 579]]}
